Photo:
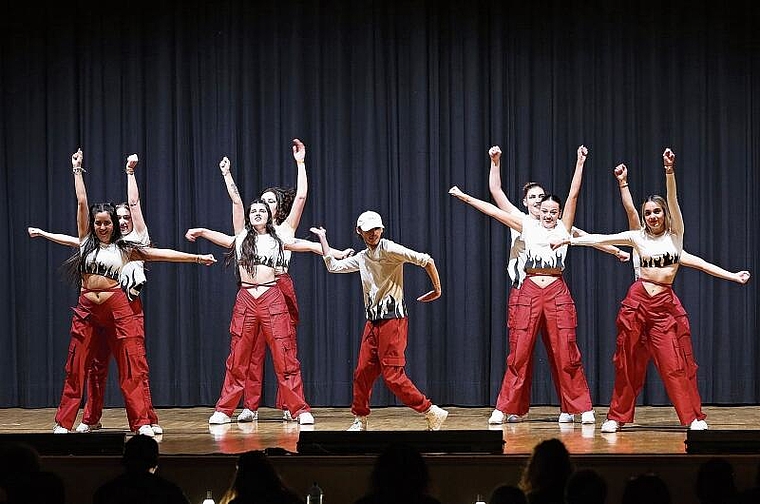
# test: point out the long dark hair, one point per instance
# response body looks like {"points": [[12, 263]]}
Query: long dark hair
{"points": [[285, 197], [74, 265], [248, 249]]}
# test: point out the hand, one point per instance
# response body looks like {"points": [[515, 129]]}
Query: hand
{"points": [[668, 158], [320, 232], [193, 233], [623, 256], [76, 159], [429, 296], [299, 151], [132, 162], [207, 259], [582, 154], [557, 243], [621, 173], [742, 277], [495, 154], [345, 253], [455, 191], [34, 232], [224, 165]]}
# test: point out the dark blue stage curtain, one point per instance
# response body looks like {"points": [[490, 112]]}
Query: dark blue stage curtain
{"points": [[396, 102]]}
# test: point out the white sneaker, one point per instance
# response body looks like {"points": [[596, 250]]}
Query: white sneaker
{"points": [[83, 427], [247, 416], [157, 429], [610, 426], [286, 416], [516, 418], [360, 424], [566, 417], [58, 429], [497, 417], [219, 418], [435, 417], [588, 417], [146, 430], [306, 418], [698, 425]]}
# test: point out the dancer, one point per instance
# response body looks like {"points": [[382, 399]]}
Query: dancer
{"points": [[651, 322], [133, 229], [533, 193], [383, 345], [544, 301], [260, 309], [286, 206], [103, 310]]}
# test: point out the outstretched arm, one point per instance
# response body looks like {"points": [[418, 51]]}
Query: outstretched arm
{"points": [[432, 272], [215, 237], [299, 245], [61, 239], [621, 174], [622, 255], [568, 213], [302, 186], [494, 182], [83, 210], [133, 196], [669, 161], [170, 255], [508, 219], [238, 210], [697, 262]]}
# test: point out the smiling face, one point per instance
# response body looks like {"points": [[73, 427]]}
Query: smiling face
{"points": [[125, 220], [258, 215], [103, 227], [654, 217], [372, 237], [550, 212], [532, 200]]}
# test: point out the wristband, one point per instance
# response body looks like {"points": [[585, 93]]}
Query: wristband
{"points": [[78, 169], [624, 185]]}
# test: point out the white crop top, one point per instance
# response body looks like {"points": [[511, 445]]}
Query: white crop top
{"points": [[538, 252], [105, 260], [654, 251], [267, 250]]}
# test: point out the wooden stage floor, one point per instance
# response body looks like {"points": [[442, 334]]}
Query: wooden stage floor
{"points": [[187, 432]]}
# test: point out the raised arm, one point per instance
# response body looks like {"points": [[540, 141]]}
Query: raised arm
{"points": [[508, 219], [170, 255], [494, 182], [83, 208], [432, 272], [133, 196], [238, 210], [621, 174], [696, 262], [215, 237], [302, 185], [61, 239], [571, 203], [669, 161]]}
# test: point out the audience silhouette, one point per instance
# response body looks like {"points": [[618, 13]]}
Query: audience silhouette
{"points": [[139, 484], [257, 482]]}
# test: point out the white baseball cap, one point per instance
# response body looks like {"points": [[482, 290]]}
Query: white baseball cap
{"points": [[369, 220]]}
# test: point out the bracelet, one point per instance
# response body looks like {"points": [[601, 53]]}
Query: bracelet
{"points": [[225, 172], [669, 169], [78, 169], [625, 184], [303, 162], [129, 171], [198, 259]]}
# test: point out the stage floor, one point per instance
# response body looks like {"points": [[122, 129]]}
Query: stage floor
{"points": [[186, 430]]}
